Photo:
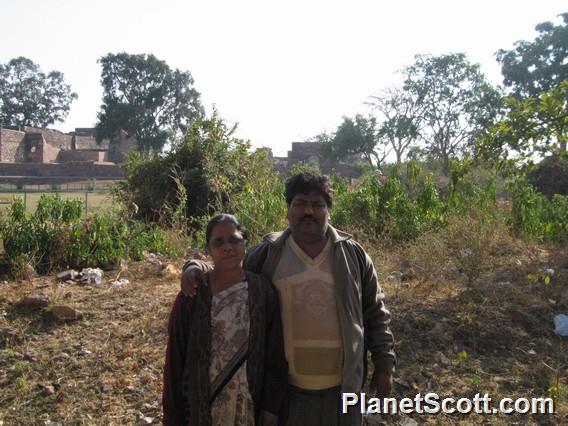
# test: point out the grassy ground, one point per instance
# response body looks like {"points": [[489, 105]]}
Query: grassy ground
{"points": [[93, 200], [494, 337]]}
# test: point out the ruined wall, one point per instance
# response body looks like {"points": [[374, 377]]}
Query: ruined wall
{"points": [[55, 138], [79, 169], [30, 144], [304, 151], [343, 169], [118, 152], [50, 153], [311, 152], [86, 155], [33, 148], [89, 143], [11, 149]]}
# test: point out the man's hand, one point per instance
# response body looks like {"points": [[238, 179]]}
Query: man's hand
{"points": [[268, 419], [381, 384], [189, 280]]}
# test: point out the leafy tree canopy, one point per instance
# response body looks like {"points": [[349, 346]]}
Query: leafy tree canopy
{"points": [[401, 123], [352, 137], [537, 66], [455, 102], [29, 97], [145, 97], [535, 126]]}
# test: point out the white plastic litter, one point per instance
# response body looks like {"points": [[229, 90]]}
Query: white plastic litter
{"points": [[561, 324], [92, 276], [120, 283]]}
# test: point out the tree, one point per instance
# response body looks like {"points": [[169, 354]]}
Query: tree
{"points": [[28, 97], [354, 137], [537, 66], [455, 100], [208, 171], [532, 127], [145, 97], [402, 121]]}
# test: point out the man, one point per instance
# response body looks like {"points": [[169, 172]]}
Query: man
{"points": [[331, 303]]}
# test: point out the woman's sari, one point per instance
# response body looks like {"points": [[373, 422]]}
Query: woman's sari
{"points": [[229, 331]]}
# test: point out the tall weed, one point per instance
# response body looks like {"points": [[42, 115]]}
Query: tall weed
{"points": [[389, 209], [535, 215], [56, 236], [470, 238]]}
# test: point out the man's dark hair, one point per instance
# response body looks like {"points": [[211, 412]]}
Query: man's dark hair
{"points": [[306, 182], [224, 217]]}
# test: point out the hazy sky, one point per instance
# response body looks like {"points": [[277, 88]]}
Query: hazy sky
{"points": [[285, 71]]}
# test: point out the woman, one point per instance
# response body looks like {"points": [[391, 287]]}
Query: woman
{"points": [[230, 332]]}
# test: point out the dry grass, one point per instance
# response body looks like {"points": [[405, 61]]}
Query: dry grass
{"points": [[495, 337], [111, 373]]}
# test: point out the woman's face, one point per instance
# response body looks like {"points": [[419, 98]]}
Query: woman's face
{"points": [[226, 246]]}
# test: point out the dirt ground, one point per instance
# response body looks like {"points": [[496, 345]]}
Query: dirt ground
{"points": [[106, 367]]}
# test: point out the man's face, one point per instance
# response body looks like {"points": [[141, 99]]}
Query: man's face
{"points": [[308, 216]]}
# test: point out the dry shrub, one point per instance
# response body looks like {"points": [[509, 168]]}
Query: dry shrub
{"points": [[179, 241], [465, 247], [471, 239], [428, 257]]}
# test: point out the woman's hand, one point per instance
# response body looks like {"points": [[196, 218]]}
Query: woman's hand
{"points": [[189, 279]]}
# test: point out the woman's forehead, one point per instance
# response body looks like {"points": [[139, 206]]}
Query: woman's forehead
{"points": [[224, 227]]}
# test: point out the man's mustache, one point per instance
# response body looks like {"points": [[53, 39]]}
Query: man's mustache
{"points": [[308, 217]]}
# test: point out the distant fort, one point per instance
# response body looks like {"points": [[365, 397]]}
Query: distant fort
{"points": [[310, 152], [34, 155]]}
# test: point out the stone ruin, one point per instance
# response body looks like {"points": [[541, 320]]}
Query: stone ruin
{"points": [[34, 145], [47, 154], [31, 155], [310, 152]]}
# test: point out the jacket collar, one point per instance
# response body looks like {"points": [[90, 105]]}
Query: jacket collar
{"points": [[277, 239]]}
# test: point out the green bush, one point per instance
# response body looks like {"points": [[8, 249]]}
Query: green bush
{"points": [[260, 203], [56, 236], [210, 163], [387, 208], [537, 216], [465, 192]]}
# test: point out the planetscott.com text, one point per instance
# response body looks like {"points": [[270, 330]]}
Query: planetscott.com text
{"points": [[432, 403]]}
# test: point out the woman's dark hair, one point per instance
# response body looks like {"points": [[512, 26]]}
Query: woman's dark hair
{"points": [[224, 217], [306, 182]]}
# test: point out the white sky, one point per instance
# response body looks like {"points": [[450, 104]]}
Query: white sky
{"points": [[285, 71]]}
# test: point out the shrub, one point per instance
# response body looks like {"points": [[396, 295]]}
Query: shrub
{"points": [[209, 162], [428, 256], [470, 238], [535, 216], [56, 236], [550, 176], [260, 204], [387, 208]]}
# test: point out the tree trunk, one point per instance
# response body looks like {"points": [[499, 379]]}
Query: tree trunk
{"points": [[446, 165]]}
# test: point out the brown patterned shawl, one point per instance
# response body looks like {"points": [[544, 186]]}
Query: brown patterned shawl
{"points": [[186, 373]]}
